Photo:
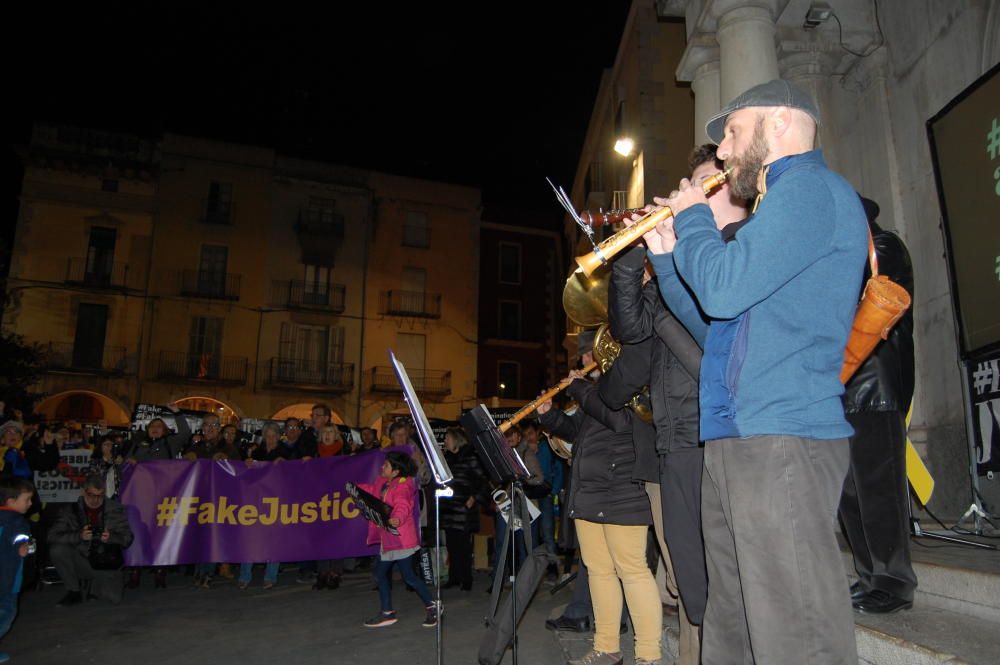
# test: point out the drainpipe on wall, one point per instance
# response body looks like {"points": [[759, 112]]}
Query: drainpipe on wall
{"points": [[369, 233], [256, 358], [148, 305]]}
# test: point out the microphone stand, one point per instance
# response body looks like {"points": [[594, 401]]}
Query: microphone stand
{"points": [[516, 498], [446, 492]]}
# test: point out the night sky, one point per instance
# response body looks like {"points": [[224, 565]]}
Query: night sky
{"points": [[496, 95]]}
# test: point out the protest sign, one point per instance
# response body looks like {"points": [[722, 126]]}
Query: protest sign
{"points": [[54, 486]]}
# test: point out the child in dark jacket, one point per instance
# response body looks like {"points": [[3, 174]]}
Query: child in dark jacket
{"points": [[15, 538], [397, 487]]}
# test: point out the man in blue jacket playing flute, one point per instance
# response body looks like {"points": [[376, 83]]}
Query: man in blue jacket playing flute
{"points": [[772, 309]]}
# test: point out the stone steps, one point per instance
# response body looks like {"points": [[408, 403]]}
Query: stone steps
{"points": [[974, 593], [956, 613], [926, 636], [921, 636], [955, 619]]}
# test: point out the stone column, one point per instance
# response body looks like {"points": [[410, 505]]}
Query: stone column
{"points": [[747, 50], [707, 102], [811, 71]]}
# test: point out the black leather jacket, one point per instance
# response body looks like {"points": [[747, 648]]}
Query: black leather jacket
{"points": [[884, 382], [627, 376], [469, 481], [637, 313]]}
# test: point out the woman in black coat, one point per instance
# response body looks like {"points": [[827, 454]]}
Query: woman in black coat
{"points": [[611, 513], [460, 512]]}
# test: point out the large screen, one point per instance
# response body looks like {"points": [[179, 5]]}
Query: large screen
{"points": [[965, 147]]}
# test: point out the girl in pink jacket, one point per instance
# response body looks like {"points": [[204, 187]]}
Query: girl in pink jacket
{"points": [[397, 488]]}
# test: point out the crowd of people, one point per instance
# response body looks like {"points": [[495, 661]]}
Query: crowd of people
{"points": [[66, 535]]}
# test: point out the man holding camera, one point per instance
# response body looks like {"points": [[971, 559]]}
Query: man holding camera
{"points": [[87, 540]]}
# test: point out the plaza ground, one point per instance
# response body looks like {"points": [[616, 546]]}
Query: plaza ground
{"points": [[289, 624]]}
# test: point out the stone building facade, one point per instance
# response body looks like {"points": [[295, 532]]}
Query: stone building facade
{"points": [[232, 278], [878, 78]]}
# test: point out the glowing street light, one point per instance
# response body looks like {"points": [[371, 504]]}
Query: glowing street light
{"points": [[624, 146]]}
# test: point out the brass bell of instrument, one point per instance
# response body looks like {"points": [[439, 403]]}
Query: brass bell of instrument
{"points": [[585, 299], [606, 352], [606, 349]]}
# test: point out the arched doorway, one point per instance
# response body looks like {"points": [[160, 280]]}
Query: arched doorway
{"points": [[303, 411], [225, 412], [83, 406]]}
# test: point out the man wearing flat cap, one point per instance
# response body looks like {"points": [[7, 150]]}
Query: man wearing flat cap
{"points": [[772, 309]]}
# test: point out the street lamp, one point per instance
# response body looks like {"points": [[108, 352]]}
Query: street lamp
{"points": [[624, 146]]}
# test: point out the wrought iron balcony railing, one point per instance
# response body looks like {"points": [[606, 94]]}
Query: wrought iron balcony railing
{"points": [[425, 381], [415, 235], [310, 375], [217, 212], [410, 303], [100, 275], [320, 222], [208, 284], [306, 295], [70, 357], [207, 367]]}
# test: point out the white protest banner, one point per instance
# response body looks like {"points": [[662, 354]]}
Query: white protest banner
{"points": [[54, 486]]}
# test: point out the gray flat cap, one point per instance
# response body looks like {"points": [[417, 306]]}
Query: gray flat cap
{"points": [[778, 92]]}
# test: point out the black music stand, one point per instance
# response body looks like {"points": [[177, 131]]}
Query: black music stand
{"points": [[372, 508], [442, 476], [505, 467]]}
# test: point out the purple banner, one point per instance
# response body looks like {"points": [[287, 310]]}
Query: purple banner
{"points": [[210, 511]]}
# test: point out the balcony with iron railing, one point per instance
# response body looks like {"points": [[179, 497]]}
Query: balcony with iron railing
{"points": [[619, 199], [416, 235], [320, 222], [297, 294], [310, 375], [410, 303], [83, 272], [207, 284], [217, 212], [202, 367], [432, 382], [70, 357]]}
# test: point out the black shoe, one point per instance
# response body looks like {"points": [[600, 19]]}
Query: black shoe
{"points": [[581, 625], [858, 591], [881, 602], [71, 598], [433, 616], [466, 586]]}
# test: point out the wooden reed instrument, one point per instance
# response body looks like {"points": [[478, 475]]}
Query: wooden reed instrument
{"points": [[604, 251], [607, 217], [528, 408]]}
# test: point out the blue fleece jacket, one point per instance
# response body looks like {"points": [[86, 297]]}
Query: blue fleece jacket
{"points": [[773, 307]]}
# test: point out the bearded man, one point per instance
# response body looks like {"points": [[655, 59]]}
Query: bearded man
{"points": [[773, 310]]}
